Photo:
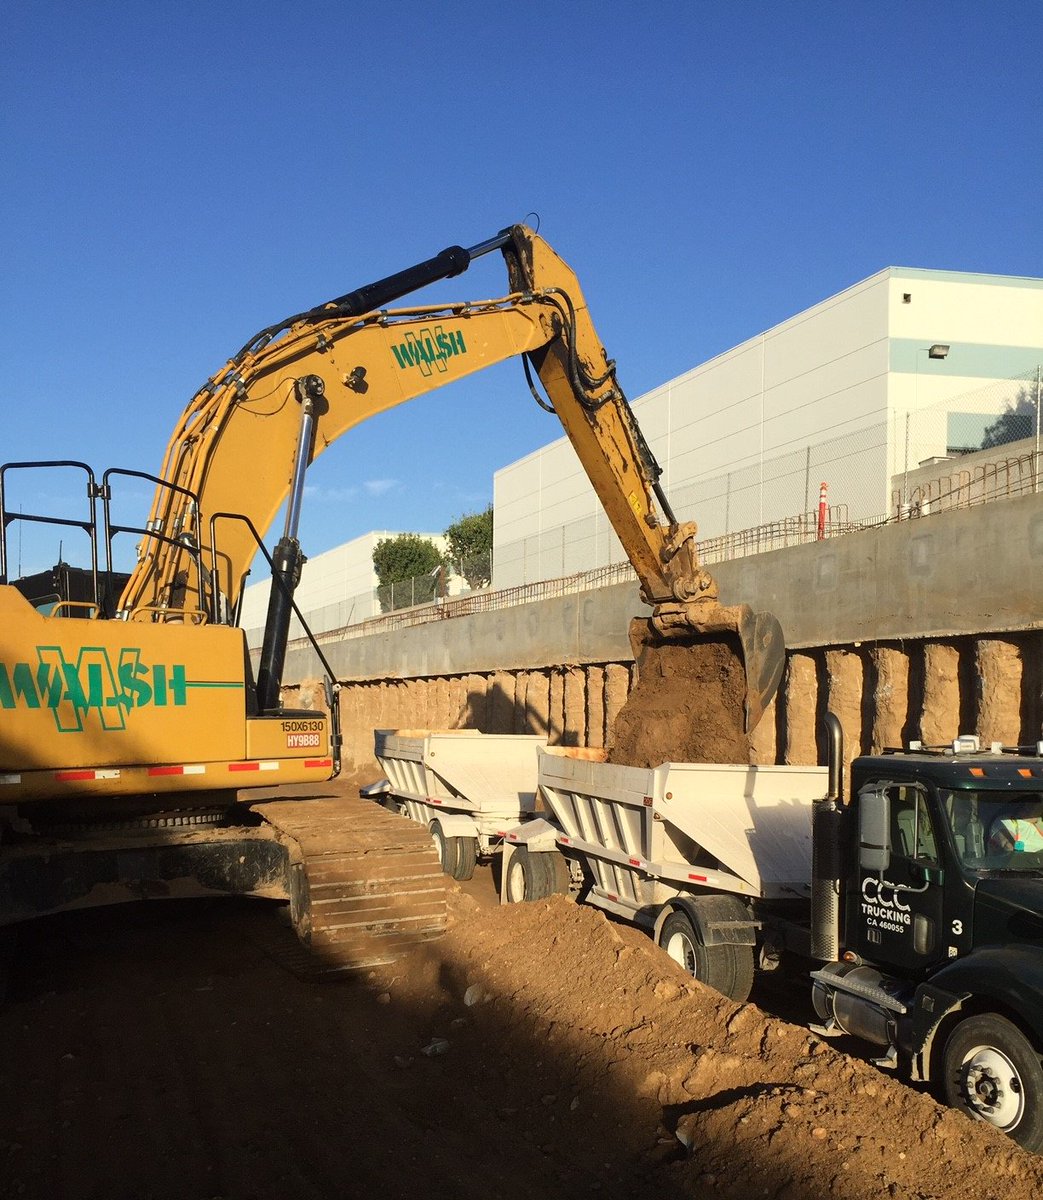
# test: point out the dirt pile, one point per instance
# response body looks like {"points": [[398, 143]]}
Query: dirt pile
{"points": [[687, 706], [704, 1096], [536, 1051]]}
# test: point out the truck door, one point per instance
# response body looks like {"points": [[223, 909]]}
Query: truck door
{"points": [[896, 918]]}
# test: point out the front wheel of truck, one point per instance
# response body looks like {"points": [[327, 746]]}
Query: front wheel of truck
{"points": [[992, 1073], [727, 968]]}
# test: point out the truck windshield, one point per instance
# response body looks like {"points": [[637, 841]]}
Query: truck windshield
{"points": [[996, 831]]}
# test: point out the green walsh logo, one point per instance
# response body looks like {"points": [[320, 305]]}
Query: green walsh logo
{"points": [[429, 350], [93, 683]]}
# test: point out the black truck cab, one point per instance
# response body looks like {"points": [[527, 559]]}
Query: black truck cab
{"points": [[940, 925]]}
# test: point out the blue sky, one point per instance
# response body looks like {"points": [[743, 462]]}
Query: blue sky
{"points": [[177, 177]]}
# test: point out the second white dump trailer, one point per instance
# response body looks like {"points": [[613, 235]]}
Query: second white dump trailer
{"points": [[467, 787], [696, 854]]}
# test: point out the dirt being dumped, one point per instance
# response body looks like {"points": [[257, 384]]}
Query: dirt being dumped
{"points": [[688, 706]]}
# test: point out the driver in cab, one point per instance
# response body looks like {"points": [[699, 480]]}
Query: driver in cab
{"points": [[1020, 829]]}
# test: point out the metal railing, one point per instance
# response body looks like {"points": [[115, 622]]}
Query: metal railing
{"points": [[775, 535], [980, 483]]}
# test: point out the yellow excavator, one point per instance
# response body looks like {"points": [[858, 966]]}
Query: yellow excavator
{"points": [[132, 724]]}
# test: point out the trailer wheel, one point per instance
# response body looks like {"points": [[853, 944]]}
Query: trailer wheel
{"points": [[447, 847], [535, 876], [466, 857], [992, 1073], [727, 968]]}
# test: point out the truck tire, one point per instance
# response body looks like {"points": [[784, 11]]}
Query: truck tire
{"points": [[447, 847], [991, 1072], [727, 968], [466, 857], [535, 876]]}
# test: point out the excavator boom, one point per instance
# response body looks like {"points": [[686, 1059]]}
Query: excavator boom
{"points": [[248, 418]]}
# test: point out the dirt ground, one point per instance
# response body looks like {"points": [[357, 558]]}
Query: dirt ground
{"points": [[158, 1051]]}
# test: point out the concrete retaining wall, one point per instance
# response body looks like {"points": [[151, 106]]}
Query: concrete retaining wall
{"points": [[925, 629], [885, 694]]}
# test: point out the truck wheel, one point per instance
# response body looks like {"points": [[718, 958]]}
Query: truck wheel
{"points": [[466, 857], [728, 969], [535, 876], [448, 849], [992, 1072]]}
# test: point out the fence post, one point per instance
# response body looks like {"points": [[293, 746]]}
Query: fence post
{"points": [[1036, 456], [904, 509]]}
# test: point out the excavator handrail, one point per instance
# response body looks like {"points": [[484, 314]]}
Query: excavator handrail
{"points": [[89, 526], [112, 530]]}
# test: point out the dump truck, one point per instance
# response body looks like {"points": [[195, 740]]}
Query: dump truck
{"points": [[914, 903]]}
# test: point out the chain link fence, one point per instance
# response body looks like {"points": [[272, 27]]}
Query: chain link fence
{"points": [[981, 446], [452, 577], [984, 443], [458, 577]]}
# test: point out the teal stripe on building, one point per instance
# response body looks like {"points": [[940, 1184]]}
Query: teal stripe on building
{"points": [[973, 360]]}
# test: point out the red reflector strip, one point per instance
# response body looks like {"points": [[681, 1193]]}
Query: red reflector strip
{"points": [[634, 862], [80, 776], [181, 769], [244, 766], [433, 800], [318, 762], [978, 772], [698, 878], [512, 837], [565, 841]]}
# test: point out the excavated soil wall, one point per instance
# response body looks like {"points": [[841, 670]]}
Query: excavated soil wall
{"points": [[885, 694]]}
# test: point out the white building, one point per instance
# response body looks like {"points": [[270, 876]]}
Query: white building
{"points": [[848, 393], [337, 588]]}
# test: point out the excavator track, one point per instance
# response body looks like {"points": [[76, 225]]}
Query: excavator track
{"points": [[365, 886]]}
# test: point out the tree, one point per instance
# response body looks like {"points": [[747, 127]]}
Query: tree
{"points": [[470, 541], [399, 559], [1012, 425]]}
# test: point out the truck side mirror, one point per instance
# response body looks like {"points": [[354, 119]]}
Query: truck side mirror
{"points": [[874, 830]]}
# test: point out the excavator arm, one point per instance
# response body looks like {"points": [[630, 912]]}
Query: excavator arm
{"points": [[245, 439]]}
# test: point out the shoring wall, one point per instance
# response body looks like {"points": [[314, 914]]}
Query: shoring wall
{"points": [[925, 629]]}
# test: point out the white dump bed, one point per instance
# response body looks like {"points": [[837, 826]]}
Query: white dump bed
{"points": [[742, 828], [488, 774]]}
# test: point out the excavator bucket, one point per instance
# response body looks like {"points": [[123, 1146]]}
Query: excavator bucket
{"points": [[755, 638], [764, 652]]}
